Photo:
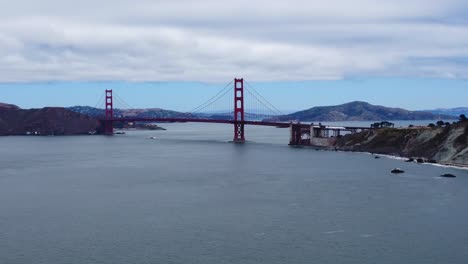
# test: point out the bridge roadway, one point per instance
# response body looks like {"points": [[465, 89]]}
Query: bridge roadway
{"points": [[219, 121]]}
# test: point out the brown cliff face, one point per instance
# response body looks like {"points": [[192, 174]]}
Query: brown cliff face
{"points": [[45, 121], [447, 145]]}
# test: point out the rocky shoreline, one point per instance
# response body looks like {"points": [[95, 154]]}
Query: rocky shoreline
{"points": [[446, 145]]}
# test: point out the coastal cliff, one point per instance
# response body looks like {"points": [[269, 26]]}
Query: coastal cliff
{"points": [[443, 144]]}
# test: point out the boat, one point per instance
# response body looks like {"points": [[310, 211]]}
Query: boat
{"points": [[119, 133]]}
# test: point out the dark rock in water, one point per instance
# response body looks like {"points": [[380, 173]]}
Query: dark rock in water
{"points": [[420, 160], [448, 175], [410, 160], [431, 161], [376, 157], [397, 170]]}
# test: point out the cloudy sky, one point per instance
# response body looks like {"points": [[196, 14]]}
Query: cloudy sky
{"points": [[211, 41]]}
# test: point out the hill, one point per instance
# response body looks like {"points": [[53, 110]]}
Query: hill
{"points": [[8, 106], [359, 111], [45, 121], [457, 111], [143, 113], [159, 113]]}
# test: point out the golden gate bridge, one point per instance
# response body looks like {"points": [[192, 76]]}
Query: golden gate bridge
{"points": [[246, 110]]}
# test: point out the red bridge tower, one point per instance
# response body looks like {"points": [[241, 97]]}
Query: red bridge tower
{"points": [[239, 111], [108, 124]]}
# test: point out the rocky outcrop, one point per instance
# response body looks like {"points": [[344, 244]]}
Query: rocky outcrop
{"points": [[446, 145], [45, 121]]}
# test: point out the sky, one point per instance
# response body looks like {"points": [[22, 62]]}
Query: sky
{"points": [[175, 54]]}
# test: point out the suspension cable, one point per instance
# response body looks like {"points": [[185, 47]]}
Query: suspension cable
{"points": [[277, 112], [213, 99], [262, 104], [99, 102], [123, 102], [221, 96]]}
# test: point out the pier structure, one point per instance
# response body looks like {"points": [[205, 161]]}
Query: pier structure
{"points": [[318, 134]]}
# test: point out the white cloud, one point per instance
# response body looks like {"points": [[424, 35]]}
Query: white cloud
{"points": [[215, 40]]}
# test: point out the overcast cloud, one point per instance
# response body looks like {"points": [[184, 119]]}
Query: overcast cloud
{"points": [[215, 40]]}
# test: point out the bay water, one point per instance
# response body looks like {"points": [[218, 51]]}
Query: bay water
{"points": [[189, 195]]}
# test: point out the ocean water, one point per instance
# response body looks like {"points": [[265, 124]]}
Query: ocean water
{"points": [[191, 196]]}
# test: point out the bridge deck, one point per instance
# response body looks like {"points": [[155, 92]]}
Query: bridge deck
{"points": [[217, 121]]}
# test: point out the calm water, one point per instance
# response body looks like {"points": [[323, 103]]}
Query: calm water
{"points": [[192, 197]]}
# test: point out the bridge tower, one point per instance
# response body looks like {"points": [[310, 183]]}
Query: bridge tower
{"points": [[239, 111], [108, 124]]}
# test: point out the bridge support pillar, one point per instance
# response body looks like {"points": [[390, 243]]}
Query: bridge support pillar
{"points": [[300, 135], [108, 123], [295, 137], [239, 111]]}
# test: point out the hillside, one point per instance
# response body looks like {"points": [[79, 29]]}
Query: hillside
{"points": [[143, 113], [8, 106], [359, 111], [450, 111], [159, 113], [45, 121]]}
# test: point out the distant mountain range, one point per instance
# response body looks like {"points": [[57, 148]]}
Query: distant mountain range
{"points": [[450, 111], [359, 111], [85, 119]]}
